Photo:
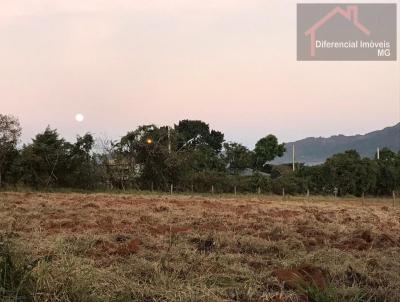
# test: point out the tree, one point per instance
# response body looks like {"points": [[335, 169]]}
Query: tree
{"points": [[80, 164], [45, 160], [388, 175], [367, 177], [237, 157], [386, 155], [215, 140], [316, 177], [146, 152], [197, 133], [349, 173], [267, 149], [10, 132], [202, 159]]}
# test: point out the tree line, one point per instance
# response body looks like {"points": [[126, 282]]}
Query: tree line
{"points": [[190, 156]]}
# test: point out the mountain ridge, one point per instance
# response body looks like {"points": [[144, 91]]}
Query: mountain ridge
{"points": [[315, 150]]}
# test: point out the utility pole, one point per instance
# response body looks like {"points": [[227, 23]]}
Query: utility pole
{"points": [[293, 158], [169, 140]]}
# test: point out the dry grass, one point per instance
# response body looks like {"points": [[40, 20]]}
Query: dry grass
{"points": [[99, 247]]}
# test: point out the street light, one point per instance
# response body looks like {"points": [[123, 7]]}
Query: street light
{"points": [[149, 141]]}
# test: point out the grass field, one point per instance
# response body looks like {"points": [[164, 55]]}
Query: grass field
{"points": [[99, 247]]}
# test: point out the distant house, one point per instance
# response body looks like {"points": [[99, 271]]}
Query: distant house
{"points": [[251, 172]]}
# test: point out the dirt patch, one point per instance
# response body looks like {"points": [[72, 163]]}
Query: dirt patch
{"points": [[211, 226], [242, 209], [165, 229], [132, 247], [303, 276], [105, 248], [61, 224], [160, 209], [91, 205], [276, 234], [105, 223], [283, 213], [310, 232], [363, 240]]}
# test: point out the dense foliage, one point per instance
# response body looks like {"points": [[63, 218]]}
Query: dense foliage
{"points": [[190, 156]]}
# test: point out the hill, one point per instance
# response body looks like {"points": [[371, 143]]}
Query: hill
{"points": [[315, 150]]}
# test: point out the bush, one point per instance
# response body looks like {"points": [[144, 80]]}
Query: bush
{"points": [[291, 184]]}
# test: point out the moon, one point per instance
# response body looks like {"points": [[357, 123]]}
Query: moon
{"points": [[79, 117]]}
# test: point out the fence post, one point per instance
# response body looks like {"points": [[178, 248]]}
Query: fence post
{"points": [[308, 195], [212, 189], [394, 199], [235, 190], [152, 187], [363, 198], [259, 191], [283, 193], [172, 188], [192, 188]]}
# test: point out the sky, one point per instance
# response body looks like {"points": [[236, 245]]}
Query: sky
{"points": [[125, 63]]}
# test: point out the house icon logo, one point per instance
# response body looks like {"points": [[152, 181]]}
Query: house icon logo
{"points": [[350, 14], [346, 31]]}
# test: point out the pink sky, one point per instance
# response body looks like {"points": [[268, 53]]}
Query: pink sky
{"points": [[233, 64]]}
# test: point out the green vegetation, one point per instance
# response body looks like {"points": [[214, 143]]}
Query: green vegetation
{"points": [[190, 156], [352, 174]]}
